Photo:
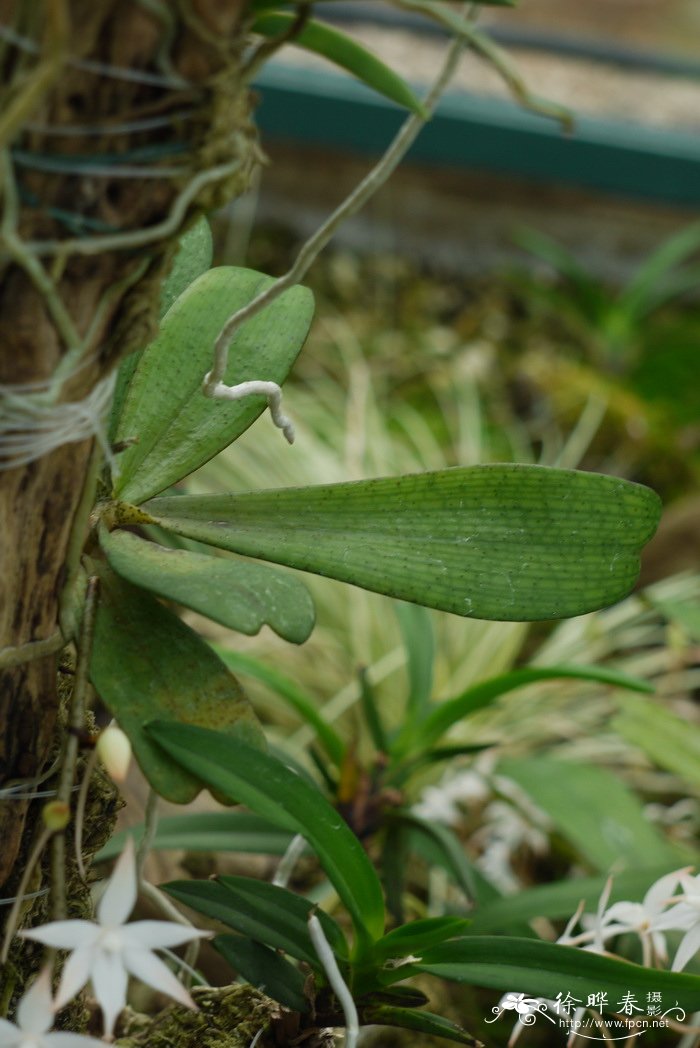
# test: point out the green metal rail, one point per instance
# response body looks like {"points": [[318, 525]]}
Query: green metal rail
{"points": [[484, 134]]}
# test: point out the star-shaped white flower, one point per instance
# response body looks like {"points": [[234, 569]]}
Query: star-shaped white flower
{"points": [[35, 1018], [108, 951], [685, 916], [648, 918]]}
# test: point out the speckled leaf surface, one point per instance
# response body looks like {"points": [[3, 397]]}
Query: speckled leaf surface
{"points": [[146, 663], [240, 594], [175, 427], [509, 542]]}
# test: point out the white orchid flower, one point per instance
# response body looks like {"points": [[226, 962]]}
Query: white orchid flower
{"points": [[35, 1014], [648, 918], [108, 951], [684, 915]]}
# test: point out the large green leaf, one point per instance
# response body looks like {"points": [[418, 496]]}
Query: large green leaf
{"points": [[177, 428], [508, 542], [343, 51], [263, 911], [146, 663], [241, 595], [193, 257], [416, 936], [448, 712], [592, 809], [272, 790], [671, 742], [546, 969], [216, 831], [420, 1022], [265, 968]]}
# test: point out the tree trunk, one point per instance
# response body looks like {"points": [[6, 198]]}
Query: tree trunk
{"points": [[83, 140]]}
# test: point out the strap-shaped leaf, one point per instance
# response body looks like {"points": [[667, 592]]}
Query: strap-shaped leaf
{"points": [[545, 969], [146, 663], [263, 911], [266, 969], [343, 51], [241, 595], [507, 542], [416, 936], [216, 831], [175, 426], [671, 741], [272, 790], [420, 1022]]}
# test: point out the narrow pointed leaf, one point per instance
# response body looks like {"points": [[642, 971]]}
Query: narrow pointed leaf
{"points": [[450, 711], [241, 595], [290, 693], [272, 790], [343, 51], [417, 936], [263, 911], [177, 428], [193, 257], [218, 831], [545, 969], [506, 542], [419, 1022], [419, 641], [146, 663], [266, 969], [448, 847]]}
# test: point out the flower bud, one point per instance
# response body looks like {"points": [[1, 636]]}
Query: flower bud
{"points": [[114, 750], [56, 815]]}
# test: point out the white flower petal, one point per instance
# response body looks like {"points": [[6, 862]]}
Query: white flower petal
{"points": [[629, 914], [153, 935], [119, 898], [63, 1039], [679, 917], [75, 974], [661, 891], [35, 1010], [151, 970], [64, 935], [109, 981], [9, 1034], [687, 949]]}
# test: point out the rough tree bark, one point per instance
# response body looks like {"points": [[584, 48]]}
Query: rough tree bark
{"points": [[53, 55]]}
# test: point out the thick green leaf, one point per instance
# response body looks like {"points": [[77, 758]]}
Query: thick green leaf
{"points": [[560, 900], [146, 663], [417, 936], [448, 712], [545, 969], [219, 831], [263, 911], [419, 641], [266, 969], [420, 1022], [270, 789], [290, 693], [192, 258], [494, 542], [671, 742], [371, 713], [176, 427], [592, 809], [236, 593], [343, 51]]}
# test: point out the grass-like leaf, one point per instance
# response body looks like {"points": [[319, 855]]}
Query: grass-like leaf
{"points": [[241, 595], [508, 542], [217, 831], [272, 790], [265, 968], [545, 969], [342, 51]]}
